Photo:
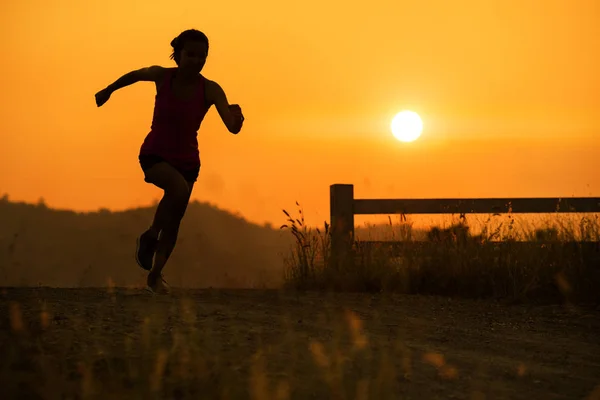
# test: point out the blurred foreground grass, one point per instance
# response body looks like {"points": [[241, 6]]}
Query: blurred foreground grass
{"points": [[96, 343]]}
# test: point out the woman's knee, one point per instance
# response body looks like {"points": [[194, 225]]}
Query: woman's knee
{"points": [[178, 197]]}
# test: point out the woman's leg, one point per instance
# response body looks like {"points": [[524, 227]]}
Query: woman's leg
{"points": [[169, 233], [157, 224], [148, 240], [168, 215]]}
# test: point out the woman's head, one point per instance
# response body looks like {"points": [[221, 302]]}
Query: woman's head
{"points": [[190, 50]]}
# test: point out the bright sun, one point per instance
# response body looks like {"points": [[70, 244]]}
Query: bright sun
{"points": [[407, 126]]}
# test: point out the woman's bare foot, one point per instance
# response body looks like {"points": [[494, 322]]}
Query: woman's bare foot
{"points": [[157, 284]]}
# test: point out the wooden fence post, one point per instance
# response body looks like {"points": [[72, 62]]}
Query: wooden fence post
{"points": [[341, 208]]}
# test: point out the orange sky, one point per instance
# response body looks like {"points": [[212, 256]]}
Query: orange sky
{"points": [[509, 92]]}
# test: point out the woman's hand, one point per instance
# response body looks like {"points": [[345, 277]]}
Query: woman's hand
{"points": [[236, 111], [103, 96]]}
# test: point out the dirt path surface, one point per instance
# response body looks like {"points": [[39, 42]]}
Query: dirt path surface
{"points": [[256, 344]]}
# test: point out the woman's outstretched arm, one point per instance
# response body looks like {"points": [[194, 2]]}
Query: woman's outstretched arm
{"points": [[146, 74]]}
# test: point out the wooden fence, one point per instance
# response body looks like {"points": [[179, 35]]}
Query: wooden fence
{"points": [[343, 208]]}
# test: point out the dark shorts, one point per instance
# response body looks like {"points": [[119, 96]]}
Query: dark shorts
{"points": [[148, 160]]}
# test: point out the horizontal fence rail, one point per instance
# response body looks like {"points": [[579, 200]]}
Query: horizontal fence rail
{"points": [[476, 206], [343, 207]]}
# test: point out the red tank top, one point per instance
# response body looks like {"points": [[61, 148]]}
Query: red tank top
{"points": [[175, 124]]}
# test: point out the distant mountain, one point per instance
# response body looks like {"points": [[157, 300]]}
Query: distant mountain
{"points": [[44, 246]]}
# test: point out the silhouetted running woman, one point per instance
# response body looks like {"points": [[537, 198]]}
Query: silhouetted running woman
{"points": [[169, 156]]}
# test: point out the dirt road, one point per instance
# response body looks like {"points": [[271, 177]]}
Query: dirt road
{"points": [[238, 344]]}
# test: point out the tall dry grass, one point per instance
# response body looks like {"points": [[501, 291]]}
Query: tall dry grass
{"points": [[555, 262]]}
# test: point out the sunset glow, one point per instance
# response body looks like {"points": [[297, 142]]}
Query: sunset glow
{"points": [[499, 84]]}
